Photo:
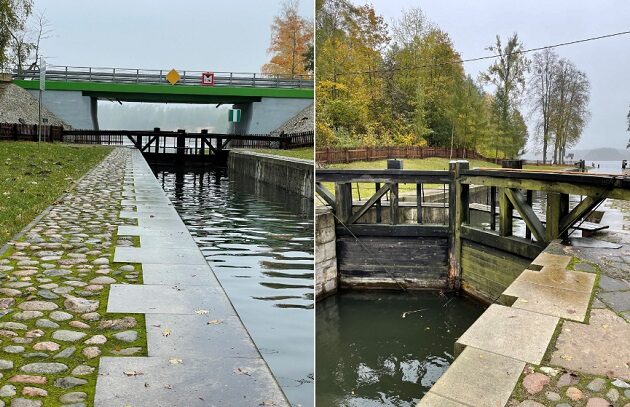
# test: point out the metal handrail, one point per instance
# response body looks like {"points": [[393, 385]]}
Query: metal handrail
{"points": [[153, 76]]}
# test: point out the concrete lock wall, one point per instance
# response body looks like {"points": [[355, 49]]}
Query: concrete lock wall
{"points": [[290, 174], [326, 276], [77, 110], [267, 115]]}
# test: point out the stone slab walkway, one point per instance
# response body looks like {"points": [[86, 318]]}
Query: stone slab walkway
{"points": [[584, 291], [199, 353]]}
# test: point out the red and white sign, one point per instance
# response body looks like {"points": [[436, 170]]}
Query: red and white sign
{"points": [[207, 78]]}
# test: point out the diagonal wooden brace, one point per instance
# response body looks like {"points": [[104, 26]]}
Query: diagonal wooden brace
{"points": [[527, 213]]}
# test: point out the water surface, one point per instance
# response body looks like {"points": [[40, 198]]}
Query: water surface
{"points": [[259, 242], [368, 354]]}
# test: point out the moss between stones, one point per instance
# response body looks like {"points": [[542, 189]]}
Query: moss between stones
{"points": [[77, 358]]}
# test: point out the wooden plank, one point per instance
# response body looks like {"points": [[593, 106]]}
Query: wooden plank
{"points": [[588, 226], [343, 201], [419, 203], [620, 188], [557, 208], [529, 216], [323, 192], [379, 217], [493, 208], [512, 244], [505, 214], [529, 200], [375, 260], [366, 206], [408, 230], [393, 204], [581, 210], [383, 176]]}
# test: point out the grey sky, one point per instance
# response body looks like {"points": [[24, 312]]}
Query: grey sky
{"points": [[472, 25], [162, 34]]}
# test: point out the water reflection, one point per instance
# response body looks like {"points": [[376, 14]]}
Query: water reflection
{"points": [[259, 242], [369, 355]]}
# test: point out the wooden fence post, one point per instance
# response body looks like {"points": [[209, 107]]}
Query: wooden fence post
{"points": [[458, 214], [557, 208], [343, 200], [156, 130]]}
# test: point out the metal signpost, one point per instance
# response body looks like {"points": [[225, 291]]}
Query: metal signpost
{"points": [[42, 88]]}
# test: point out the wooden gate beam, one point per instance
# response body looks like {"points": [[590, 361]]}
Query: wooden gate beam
{"points": [[325, 194], [366, 206], [527, 213], [581, 210]]}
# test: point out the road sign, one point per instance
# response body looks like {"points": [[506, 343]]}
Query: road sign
{"points": [[207, 78], [234, 115], [173, 77]]}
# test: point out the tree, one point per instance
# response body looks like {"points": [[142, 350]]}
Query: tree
{"points": [[570, 106], [291, 36], [542, 87], [507, 74], [13, 16]]}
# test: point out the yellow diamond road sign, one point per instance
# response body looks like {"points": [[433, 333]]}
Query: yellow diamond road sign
{"points": [[173, 76]]}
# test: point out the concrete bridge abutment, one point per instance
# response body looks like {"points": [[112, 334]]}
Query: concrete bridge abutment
{"points": [[73, 107], [267, 115]]}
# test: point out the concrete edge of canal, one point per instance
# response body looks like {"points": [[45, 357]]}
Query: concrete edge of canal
{"points": [[291, 174], [199, 352]]}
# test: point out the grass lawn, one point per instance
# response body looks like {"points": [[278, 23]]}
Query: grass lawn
{"points": [[305, 153], [32, 177], [366, 190]]}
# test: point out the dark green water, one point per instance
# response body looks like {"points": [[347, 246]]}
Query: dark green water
{"points": [[369, 355]]}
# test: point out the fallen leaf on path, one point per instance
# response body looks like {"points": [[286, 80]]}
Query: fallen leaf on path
{"points": [[175, 361], [214, 322], [166, 332], [133, 373], [238, 370], [202, 311]]}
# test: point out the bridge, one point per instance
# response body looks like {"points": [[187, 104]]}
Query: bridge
{"points": [[266, 101], [425, 229]]}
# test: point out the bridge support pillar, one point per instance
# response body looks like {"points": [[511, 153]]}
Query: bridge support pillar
{"points": [[267, 115], [74, 108]]}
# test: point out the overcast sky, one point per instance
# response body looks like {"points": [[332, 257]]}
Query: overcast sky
{"points": [[472, 25], [162, 34]]}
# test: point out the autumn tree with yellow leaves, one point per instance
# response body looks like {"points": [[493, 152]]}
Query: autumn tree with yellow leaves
{"points": [[291, 46]]}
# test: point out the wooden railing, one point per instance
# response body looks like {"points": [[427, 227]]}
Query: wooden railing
{"points": [[348, 155], [287, 141]]}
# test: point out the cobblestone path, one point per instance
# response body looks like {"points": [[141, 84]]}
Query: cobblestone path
{"points": [[54, 284]]}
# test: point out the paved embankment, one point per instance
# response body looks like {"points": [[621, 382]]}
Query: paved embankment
{"points": [[560, 337], [291, 174], [199, 352]]}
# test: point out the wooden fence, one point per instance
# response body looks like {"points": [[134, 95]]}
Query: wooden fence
{"points": [[288, 141], [28, 132]]}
